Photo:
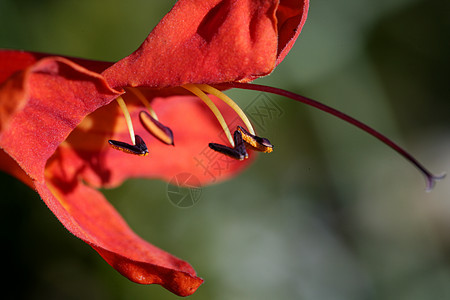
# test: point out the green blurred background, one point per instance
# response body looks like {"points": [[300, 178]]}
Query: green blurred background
{"points": [[331, 214]]}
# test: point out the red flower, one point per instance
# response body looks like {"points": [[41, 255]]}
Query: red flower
{"points": [[57, 122], [59, 130]]}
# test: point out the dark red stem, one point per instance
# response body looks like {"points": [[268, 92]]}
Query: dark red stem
{"points": [[429, 177]]}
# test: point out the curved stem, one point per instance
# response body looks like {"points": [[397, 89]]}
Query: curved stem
{"points": [[429, 177]]}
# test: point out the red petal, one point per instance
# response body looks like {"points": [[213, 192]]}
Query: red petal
{"points": [[203, 42], [10, 166], [12, 61], [41, 105], [86, 213], [215, 41]]}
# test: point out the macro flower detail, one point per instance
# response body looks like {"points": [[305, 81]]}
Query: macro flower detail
{"points": [[69, 126], [60, 127]]}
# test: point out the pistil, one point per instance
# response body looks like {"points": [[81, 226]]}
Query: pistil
{"points": [[430, 178]]}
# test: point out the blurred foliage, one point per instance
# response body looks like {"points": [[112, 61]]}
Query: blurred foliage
{"points": [[331, 214]]}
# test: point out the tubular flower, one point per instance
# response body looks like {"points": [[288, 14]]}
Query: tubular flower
{"points": [[63, 119]]}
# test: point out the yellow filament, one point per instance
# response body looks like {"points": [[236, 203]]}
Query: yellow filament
{"points": [[144, 101], [127, 116], [213, 91], [199, 93]]}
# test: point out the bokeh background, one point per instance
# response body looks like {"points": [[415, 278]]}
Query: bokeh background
{"points": [[331, 214]]}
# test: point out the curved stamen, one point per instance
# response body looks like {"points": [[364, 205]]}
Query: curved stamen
{"points": [[429, 177], [144, 101], [127, 116], [213, 91], [138, 146], [199, 93]]}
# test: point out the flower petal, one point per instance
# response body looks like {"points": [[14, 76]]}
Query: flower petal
{"points": [[204, 42], [10, 166], [42, 104], [12, 61], [89, 216]]}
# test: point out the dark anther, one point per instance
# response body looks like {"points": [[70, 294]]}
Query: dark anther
{"points": [[139, 149], [238, 152], [256, 142]]}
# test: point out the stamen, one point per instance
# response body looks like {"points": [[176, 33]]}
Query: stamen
{"points": [[258, 143], [238, 152], [144, 101], [127, 116], [161, 132], [213, 91], [199, 93], [140, 148]]}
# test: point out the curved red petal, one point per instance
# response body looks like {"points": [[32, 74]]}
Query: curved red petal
{"points": [[41, 105], [203, 42], [12, 61], [89, 216], [193, 125], [212, 42], [10, 166]]}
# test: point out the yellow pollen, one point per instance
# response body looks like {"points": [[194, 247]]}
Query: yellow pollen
{"points": [[199, 93], [127, 116], [259, 144], [144, 101], [213, 91]]}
